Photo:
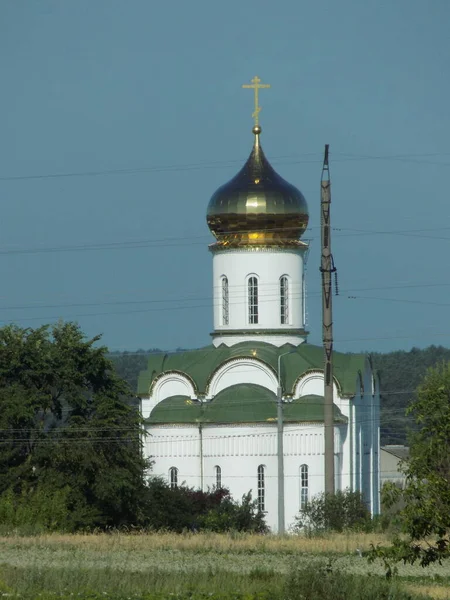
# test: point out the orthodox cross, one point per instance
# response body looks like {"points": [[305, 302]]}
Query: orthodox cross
{"points": [[256, 85]]}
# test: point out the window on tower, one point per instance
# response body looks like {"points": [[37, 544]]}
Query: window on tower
{"points": [[304, 486], [284, 300], [261, 489], [173, 477], [225, 302], [253, 300]]}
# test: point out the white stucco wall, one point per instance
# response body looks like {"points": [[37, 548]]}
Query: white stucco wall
{"points": [[268, 265], [239, 449]]}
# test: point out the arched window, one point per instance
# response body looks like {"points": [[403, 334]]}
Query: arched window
{"points": [[304, 486], [261, 489], [253, 300], [284, 300], [218, 471], [173, 477], [225, 302]]}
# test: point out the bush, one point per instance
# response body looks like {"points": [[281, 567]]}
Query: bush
{"points": [[344, 510], [182, 508], [40, 509], [229, 515]]}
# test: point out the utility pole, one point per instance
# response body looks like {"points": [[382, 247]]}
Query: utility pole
{"points": [[327, 268], [280, 450], [280, 455]]}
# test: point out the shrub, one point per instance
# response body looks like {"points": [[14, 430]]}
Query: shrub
{"points": [[334, 512], [182, 508]]}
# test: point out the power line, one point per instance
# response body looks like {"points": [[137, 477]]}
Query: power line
{"points": [[184, 241], [156, 169], [346, 157], [69, 429]]}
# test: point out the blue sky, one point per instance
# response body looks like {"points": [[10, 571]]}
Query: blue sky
{"points": [[153, 89]]}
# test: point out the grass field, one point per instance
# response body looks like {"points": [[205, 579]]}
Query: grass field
{"points": [[136, 565]]}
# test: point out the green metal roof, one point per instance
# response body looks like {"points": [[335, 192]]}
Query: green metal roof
{"points": [[242, 403], [200, 365], [309, 408]]}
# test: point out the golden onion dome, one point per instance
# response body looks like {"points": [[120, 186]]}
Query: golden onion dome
{"points": [[257, 207]]}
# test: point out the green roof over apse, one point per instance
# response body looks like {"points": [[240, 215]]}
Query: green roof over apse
{"points": [[201, 364], [242, 403]]}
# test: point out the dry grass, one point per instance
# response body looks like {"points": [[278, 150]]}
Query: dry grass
{"points": [[432, 591], [345, 543]]}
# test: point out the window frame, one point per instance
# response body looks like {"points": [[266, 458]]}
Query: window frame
{"points": [[304, 486], [225, 300], [252, 300], [218, 474], [173, 478], [261, 499], [284, 300]]}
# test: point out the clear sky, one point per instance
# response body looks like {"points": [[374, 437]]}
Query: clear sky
{"points": [[152, 91]]}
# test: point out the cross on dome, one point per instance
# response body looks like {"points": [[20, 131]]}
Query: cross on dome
{"points": [[256, 85]]}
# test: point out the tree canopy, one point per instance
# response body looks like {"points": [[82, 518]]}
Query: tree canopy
{"points": [[71, 445], [425, 518], [67, 426]]}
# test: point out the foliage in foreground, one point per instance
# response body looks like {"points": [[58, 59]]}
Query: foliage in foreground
{"points": [[71, 446], [343, 510], [184, 508], [67, 432], [425, 516]]}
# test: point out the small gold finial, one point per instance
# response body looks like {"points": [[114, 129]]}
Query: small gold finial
{"points": [[256, 85]]}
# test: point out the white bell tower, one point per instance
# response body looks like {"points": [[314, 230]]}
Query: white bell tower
{"points": [[257, 219]]}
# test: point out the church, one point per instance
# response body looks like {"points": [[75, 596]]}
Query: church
{"points": [[211, 413]]}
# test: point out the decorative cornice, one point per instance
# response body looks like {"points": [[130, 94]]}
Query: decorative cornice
{"points": [[291, 247], [241, 332]]}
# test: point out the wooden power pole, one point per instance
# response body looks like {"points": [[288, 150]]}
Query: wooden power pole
{"points": [[327, 268]]}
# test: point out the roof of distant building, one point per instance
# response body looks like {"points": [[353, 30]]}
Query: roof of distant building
{"points": [[397, 450]]}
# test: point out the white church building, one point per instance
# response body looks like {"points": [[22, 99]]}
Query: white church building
{"points": [[211, 413]]}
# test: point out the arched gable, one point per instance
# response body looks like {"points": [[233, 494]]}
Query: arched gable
{"points": [[311, 383], [167, 384], [172, 383], [239, 371]]}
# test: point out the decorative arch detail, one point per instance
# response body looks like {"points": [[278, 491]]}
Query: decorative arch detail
{"points": [[241, 370], [306, 384], [172, 383]]}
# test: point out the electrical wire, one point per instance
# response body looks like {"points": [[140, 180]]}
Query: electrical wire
{"points": [[345, 157]]}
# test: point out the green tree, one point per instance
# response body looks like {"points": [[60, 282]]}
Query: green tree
{"points": [[425, 517], [67, 427]]}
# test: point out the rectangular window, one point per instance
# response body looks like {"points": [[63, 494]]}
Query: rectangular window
{"points": [[173, 473], [225, 302], [261, 489], [284, 300], [253, 301], [218, 477], [304, 484]]}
